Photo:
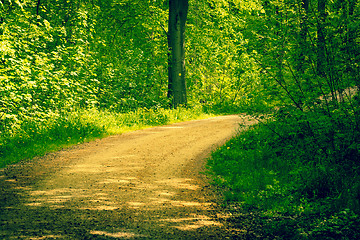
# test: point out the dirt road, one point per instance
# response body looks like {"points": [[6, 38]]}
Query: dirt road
{"points": [[140, 185]]}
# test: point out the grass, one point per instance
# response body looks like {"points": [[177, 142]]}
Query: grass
{"points": [[35, 138], [299, 186]]}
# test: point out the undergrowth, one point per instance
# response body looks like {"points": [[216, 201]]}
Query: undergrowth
{"points": [[32, 138], [299, 172]]}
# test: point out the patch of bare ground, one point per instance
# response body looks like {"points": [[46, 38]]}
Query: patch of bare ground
{"points": [[144, 184]]}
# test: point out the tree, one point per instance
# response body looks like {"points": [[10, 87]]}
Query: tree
{"points": [[321, 32], [178, 10], [303, 35]]}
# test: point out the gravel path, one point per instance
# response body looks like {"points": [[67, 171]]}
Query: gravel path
{"points": [[145, 184]]}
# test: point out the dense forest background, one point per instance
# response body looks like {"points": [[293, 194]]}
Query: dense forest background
{"points": [[71, 70]]}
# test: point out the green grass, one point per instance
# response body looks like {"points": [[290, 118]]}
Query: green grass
{"points": [[36, 138], [300, 186]]}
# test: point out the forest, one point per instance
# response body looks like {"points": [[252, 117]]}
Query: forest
{"points": [[75, 70]]}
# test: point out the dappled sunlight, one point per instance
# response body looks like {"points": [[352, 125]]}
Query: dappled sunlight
{"points": [[61, 193], [190, 204], [108, 196], [124, 156], [60, 199], [121, 180], [33, 204], [47, 237], [56, 197], [174, 203], [188, 227], [114, 181], [53, 191], [11, 180], [136, 205], [142, 189], [23, 188], [101, 194], [115, 235], [191, 223], [100, 208], [165, 193], [181, 183], [159, 201], [122, 191], [101, 168], [95, 168]]}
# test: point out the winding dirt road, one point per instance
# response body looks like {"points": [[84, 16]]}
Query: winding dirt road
{"points": [[145, 184]]}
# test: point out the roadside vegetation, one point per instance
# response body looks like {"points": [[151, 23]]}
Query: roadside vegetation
{"points": [[35, 138], [296, 174], [296, 186]]}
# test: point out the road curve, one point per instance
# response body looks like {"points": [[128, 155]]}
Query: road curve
{"points": [[145, 184]]}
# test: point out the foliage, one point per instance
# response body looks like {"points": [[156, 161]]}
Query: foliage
{"points": [[221, 74], [34, 138], [278, 175], [132, 48], [43, 69], [302, 160]]}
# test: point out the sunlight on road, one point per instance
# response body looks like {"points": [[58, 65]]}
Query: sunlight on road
{"points": [[115, 235], [140, 185], [192, 223], [154, 196]]}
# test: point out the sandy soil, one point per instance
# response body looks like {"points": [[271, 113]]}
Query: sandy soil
{"points": [[144, 184]]}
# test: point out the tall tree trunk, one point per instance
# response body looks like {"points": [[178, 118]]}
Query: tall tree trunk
{"points": [[351, 35], [178, 10], [38, 7], [321, 45], [350, 43], [300, 65]]}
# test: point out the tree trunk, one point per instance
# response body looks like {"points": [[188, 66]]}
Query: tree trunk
{"points": [[38, 7], [350, 44], [351, 35], [176, 42], [321, 45], [300, 64]]}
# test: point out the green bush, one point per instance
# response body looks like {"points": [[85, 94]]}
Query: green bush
{"points": [[303, 164], [34, 138]]}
